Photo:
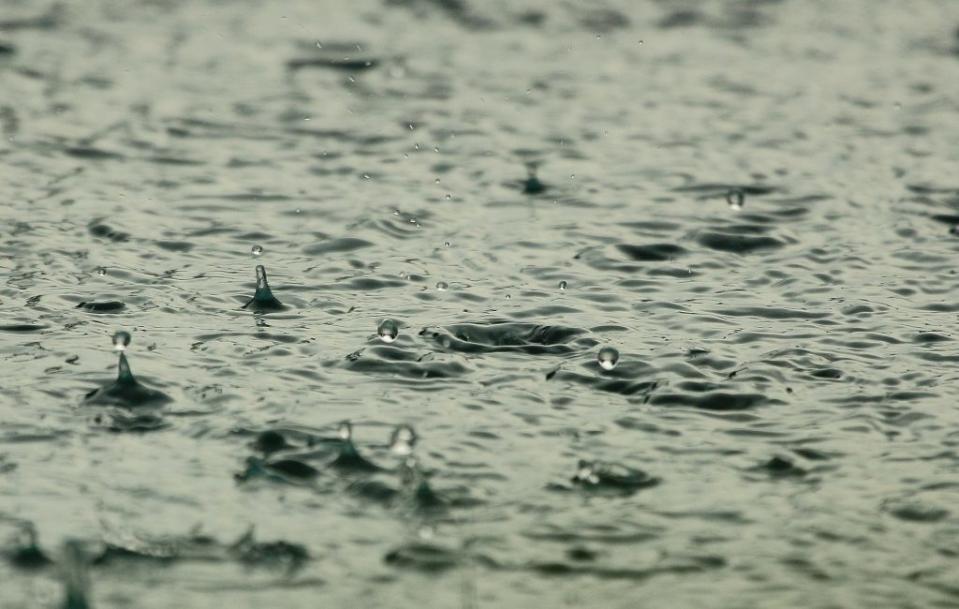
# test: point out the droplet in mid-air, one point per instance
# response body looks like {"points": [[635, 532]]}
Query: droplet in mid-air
{"points": [[442, 286], [101, 271], [607, 358], [402, 441], [562, 285], [388, 330], [263, 299], [345, 431], [735, 198], [121, 340], [257, 251]]}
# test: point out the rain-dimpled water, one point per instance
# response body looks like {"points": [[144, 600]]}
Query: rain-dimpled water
{"points": [[461, 304]]}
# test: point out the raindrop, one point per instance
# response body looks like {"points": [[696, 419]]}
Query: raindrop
{"points": [[345, 431], [447, 243], [257, 251], [402, 441], [735, 197], [388, 330], [449, 197], [121, 340], [101, 271], [607, 358], [442, 286], [562, 285], [436, 181]]}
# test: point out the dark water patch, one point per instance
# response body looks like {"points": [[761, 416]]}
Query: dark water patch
{"points": [[7, 49], [346, 244], [22, 328], [682, 18], [343, 64], [737, 243], [416, 370], [109, 306], [827, 373], [713, 190], [781, 467], [175, 246], [771, 313], [719, 401], [87, 153], [425, 557], [505, 336], [103, 231], [931, 337], [652, 253]]}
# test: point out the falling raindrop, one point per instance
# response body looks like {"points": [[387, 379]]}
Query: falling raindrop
{"points": [[562, 285], [402, 441], [442, 286], [345, 431], [607, 358], [735, 198], [257, 251], [121, 340], [388, 330], [101, 271]]}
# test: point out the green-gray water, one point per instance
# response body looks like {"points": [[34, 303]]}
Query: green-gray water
{"points": [[517, 186]]}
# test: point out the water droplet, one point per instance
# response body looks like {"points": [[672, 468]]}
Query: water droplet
{"points": [[319, 45], [449, 196], [436, 181], [607, 358], [572, 176], [562, 285], [402, 441], [411, 128], [442, 286], [735, 197], [345, 431], [447, 243], [388, 330], [257, 251], [101, 271], [508, 297], [121, 340]]}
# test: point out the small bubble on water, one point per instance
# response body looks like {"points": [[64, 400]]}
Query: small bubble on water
{"points": [[101, 271], [735, 198], [388, 330], [442, 286], [345, 431], [402, 441], [121, 340], [257, 251], [607, 358], [562, 285]]}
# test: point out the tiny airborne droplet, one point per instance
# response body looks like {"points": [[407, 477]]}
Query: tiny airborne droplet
{"points": [[121, 340], [442, 286], [735, 198], [257, 251], [607, 358], [101, 271], [345, 431], [562, 285], [402, 441], [388, 331]]}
